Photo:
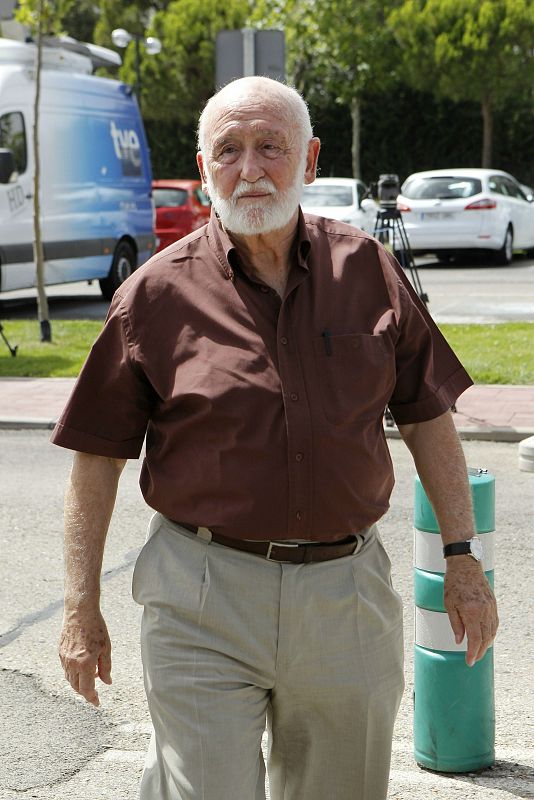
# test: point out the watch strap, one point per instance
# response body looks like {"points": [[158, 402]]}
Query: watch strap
{"points": [[457, 549]]}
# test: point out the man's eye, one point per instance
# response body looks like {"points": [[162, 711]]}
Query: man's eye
{"points": [[270, 149], [226, 152]]}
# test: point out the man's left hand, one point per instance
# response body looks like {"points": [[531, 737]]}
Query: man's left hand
{"points": [[471, 606]]}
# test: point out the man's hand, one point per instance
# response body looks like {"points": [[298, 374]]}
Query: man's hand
{"points": [[440, 462], [85, 652], [471, 606], [84, 646]]}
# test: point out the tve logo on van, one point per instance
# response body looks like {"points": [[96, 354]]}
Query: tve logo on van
{"points": [[127, 149]]}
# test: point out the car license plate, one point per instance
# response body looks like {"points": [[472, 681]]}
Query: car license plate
{"points": [[431, 216]]}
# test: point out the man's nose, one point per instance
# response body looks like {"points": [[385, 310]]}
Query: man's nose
{"points": [[251, 169]]}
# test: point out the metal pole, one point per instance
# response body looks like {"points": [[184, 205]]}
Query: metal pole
{"points": [[249, 65], [137, 70]]}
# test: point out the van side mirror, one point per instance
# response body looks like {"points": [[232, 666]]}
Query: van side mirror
{"points": [[8, 168]]}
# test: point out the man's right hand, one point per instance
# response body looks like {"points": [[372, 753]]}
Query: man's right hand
{"points": [[85, 651]]}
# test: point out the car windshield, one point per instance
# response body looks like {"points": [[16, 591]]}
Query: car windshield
{"points": [[448, 187], [168, 198], [319, 196], [202, 198]]}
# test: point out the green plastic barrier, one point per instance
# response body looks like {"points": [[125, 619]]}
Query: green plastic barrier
{"points": [[454, 707]]}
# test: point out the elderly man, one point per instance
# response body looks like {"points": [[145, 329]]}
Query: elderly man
{"points": [[257, 355]]}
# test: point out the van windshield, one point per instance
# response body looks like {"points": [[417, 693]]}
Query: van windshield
{"points": [[13, 137]]}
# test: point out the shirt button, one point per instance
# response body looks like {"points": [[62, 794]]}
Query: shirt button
{"points": [[299, 515], [283, 340], [299, 457], [294, 396]]}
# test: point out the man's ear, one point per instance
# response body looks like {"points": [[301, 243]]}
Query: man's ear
{"points": [[314, 146], [200, 164]]}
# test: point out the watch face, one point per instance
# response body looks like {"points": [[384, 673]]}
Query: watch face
{"points": [[476, 549]]}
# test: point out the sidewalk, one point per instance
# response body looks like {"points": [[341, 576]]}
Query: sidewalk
{"points": [[496, 413]]}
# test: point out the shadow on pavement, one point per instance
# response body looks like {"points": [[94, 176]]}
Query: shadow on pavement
{"points": [[63, 307]]}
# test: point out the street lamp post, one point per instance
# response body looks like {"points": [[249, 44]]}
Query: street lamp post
{"points": [[122, 38]]}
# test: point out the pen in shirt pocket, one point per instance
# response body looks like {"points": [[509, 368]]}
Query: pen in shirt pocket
{"points": [[327, 342]]}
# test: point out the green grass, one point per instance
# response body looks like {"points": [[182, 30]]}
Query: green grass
{"points": [[502, 353], [61, 358]]}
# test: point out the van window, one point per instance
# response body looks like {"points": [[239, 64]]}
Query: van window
{"points": [[13, 137]]}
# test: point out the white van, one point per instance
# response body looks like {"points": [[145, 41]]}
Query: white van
{"points": [[97, 215]]}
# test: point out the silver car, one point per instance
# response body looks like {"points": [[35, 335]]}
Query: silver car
{"points": [[450, 211], [342, 199]]}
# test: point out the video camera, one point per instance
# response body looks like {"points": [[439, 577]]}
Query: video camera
{"points": [[384, 191], [388, 188]]}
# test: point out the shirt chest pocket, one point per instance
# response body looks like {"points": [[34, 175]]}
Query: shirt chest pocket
{"points": [[355, 374]]}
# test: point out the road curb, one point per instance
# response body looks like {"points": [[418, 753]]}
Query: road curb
{"points": [[495, 434], [14, 423]]}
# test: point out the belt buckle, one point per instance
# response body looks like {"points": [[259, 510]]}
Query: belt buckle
{"points": [[277, 544]]}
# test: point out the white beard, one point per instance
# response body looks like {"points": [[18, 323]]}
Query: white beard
{"points": [[264, 215]]}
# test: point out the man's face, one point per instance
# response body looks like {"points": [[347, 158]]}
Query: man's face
{"points": [[254, 166]]}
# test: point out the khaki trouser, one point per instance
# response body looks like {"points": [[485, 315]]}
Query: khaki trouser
{"points": [[230, 640]]}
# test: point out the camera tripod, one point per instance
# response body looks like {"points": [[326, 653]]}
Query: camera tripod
{"points": [[390, 230], [12, 350]]}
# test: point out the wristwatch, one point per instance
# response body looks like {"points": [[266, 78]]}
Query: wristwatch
{"points": [[471, 547]]}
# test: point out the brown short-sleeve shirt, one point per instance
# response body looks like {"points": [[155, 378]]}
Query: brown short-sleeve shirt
{"points": [[263, 418]]}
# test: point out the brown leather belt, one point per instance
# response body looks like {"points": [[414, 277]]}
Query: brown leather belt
{"points": [[290, 553]]}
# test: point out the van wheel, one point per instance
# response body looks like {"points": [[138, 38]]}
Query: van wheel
{"points": [[124, 263], [505, 254]]}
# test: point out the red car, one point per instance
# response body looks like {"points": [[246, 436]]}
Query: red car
{"points": [[181, 207]]}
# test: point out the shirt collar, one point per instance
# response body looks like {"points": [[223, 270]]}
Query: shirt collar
{"points": [[226, 252]]}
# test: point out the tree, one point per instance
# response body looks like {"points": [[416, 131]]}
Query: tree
{"points": [[337, 49], [42, 17], [477, 50], [362, 51], [134, 17], [79, 20], [349, 51], [177, 82]]}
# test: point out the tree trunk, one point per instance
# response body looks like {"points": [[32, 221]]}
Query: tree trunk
{"points": [[356, 127], [487, 133], [38, 255]]}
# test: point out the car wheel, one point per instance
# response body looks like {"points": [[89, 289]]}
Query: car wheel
{"points": [[122, 266], [505, 254]]}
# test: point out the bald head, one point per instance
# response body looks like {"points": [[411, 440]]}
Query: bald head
{"points": [[281, 100]]}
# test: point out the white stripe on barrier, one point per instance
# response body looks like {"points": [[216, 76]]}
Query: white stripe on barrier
{"points": [[433, 631], [429, 551]]}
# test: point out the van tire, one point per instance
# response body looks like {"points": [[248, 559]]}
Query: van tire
{"points": [[123, 264]]}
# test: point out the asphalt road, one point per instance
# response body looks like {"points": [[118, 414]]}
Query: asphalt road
{"points": [[467, 293], [55, 747], [478, 293]]}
